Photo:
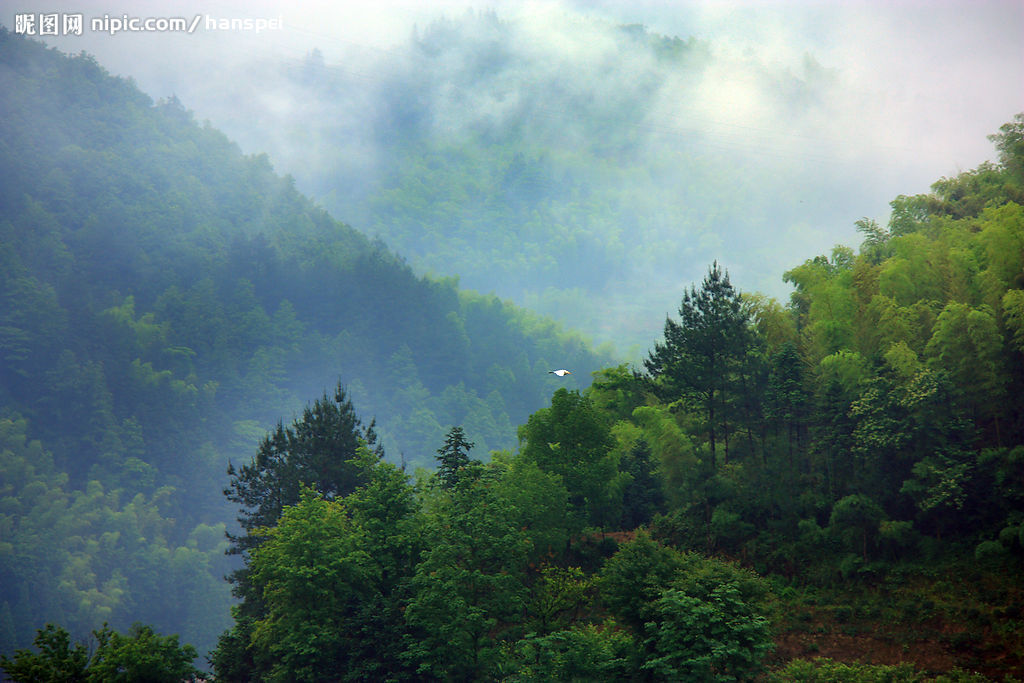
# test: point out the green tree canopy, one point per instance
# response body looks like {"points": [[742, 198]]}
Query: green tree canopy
{"points": [[469, 585], [573, 440], [139, 655], [315, 578]]}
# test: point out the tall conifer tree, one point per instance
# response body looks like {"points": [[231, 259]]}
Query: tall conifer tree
{"points": [[452, 457], [703, 349]]}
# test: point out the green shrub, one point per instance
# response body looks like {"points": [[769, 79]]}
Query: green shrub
{"points": [[588, 653], [822, 670]]}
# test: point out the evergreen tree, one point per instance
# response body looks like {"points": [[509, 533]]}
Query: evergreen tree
{"points": [[316, 451], [786, 398], [703, 350], [322, 452], [643, 496], [453, 457]]}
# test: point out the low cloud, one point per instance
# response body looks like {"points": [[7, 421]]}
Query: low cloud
{"points": [[753, 132]]}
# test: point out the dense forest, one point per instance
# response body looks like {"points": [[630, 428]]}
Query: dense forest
{"points": [[828, 488], [854, 457], [164, 302]]}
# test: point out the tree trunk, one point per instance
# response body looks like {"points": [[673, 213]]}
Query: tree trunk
{"points": [[711, 428]]}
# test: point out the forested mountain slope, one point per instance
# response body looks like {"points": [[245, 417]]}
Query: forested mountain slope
{"points": [[164, 301], [840, 476]]}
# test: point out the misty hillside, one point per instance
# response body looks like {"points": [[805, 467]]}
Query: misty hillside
{"points": [[188, 341], [165, 301], [565, 163], [825, 491]]}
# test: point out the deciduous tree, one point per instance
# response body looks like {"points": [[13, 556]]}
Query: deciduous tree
{"points": [[469, 586], [573, 440], [315, 578]]}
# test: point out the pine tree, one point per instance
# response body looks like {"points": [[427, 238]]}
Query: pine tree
{"points": [[317, 451], [704, 349], [453, 457]]}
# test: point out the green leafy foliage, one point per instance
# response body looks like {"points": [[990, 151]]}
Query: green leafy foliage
{"points": [[715, 637], [595, 652], [541, 506], [55, 661], [558, 593], [314, 577], [837, 672], [139, 655], [695, 618], [572, 440], [468, 586], [633, 578]]}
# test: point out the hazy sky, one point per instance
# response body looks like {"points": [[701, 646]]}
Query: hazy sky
{"points": [[927, 79]]}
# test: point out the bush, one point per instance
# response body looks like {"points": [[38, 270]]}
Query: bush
{"points": [[989, 550], [821, 670], [717, 636], [588, 653], [695, 618]]}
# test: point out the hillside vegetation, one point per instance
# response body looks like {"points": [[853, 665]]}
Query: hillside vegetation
{"points": [[839, 476], [164, 301], [826, 489]]}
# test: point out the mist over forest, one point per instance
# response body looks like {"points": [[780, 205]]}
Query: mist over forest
{"points": [[280, 314], [582, 163]]}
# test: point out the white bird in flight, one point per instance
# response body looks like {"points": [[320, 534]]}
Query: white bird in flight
{"points": [[560, 373]]}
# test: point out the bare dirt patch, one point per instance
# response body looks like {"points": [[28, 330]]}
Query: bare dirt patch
{"points": [[935, 647]]}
